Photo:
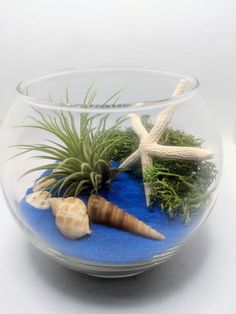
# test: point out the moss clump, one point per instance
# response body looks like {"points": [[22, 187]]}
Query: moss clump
{"points": [[179, 138], [180, 187], [130, 140], [125, 143]]}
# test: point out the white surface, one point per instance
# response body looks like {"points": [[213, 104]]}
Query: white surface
{"points": [[185, 35], [200, 279], [191, 36]]}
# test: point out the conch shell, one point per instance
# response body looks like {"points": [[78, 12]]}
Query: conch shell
{"points": [[71, 217], [55, 203], [43, 185], [39, 199], [104, 212]]}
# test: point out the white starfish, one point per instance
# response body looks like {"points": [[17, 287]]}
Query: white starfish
{"points": [[149, 147]]}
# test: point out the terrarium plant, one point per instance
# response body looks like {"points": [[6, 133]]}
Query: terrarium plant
{"points": [[80, 160]]}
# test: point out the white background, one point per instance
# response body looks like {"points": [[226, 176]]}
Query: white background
{"points": [[185, 35]]}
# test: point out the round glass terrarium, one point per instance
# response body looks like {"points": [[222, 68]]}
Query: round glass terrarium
{"points": [[110, 170]]}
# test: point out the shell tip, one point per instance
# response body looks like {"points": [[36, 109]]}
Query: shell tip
{"points": [[159, 236], [162, 237]]}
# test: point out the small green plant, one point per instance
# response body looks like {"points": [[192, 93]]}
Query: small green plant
{"points": [[81, 161]]}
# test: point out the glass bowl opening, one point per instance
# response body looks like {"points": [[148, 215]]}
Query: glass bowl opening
{"points": [[67, 89]]}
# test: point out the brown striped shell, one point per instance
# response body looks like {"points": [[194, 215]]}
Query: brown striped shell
{"points": [[72, 218], [104, 212]]}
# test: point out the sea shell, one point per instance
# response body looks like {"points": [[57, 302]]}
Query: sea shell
{"points": [[41, 186], [102, 211], [55, 203], [72, 218], [39, 199]]}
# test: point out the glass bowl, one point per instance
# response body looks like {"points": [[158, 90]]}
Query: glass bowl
{"points": [[110, 170]]}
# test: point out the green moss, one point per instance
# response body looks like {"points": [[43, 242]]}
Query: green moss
{"points": [[123, 148], [179, 138], [130, 140], [180, 187]]}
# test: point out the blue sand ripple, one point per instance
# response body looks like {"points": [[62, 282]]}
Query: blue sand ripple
{"points": [[111, 245]]}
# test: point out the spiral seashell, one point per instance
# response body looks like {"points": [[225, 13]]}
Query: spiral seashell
{"points": [[55, 203], [72, 218], [104, 212], [39, 199], [41, 186]]}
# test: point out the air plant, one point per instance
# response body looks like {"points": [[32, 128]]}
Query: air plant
{"points": [[81, 160]]}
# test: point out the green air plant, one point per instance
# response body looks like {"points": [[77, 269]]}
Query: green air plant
{"points": [[80, 161]]}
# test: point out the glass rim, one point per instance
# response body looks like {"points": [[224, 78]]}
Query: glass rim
{"points": [[23, 86]]}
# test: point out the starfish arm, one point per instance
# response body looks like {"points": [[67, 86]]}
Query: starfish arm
{"points": [[137, 126], [146, 161], [166, 115], [180, 88], [162, 121], [178, 152], [129, 161]]}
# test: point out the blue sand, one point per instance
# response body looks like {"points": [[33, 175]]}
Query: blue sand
{"points": [[107, 244]]}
